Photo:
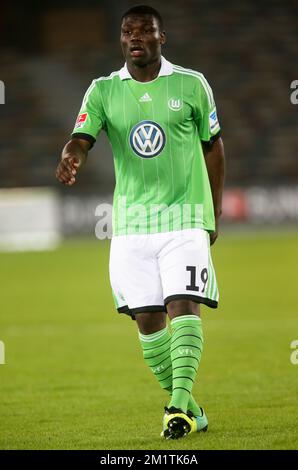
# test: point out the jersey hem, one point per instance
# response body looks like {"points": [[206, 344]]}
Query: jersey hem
{"points": [[122, 233]]}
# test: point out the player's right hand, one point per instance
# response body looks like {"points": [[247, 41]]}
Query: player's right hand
{"points": [[67, 170]]}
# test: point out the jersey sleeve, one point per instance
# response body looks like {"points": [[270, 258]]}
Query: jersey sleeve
{"points": [[205, 114], [90, 119]]}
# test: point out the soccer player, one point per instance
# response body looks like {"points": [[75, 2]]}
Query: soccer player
{"points": [[161, 121]]}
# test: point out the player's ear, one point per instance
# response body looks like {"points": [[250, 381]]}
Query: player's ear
{"points": [[162, 37]]}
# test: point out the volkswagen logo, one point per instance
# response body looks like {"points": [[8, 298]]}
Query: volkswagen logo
{"points": [[147, 139]]}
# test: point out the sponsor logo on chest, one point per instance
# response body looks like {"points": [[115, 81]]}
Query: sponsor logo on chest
{"points": [[147, 139]]}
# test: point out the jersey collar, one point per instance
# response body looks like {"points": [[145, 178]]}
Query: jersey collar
{"points": [[165, 69]]}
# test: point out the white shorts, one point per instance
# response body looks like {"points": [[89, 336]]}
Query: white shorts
{"points": [[149, 271]]}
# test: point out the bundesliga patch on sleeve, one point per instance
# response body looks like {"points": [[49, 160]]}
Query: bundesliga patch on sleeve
{"points": [[213, 121], [80, 122]]}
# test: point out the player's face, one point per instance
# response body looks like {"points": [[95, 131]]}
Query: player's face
{"points": [[141, 39]]}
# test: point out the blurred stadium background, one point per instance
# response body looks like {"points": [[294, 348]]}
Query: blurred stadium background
{"points": [[49, 53]]}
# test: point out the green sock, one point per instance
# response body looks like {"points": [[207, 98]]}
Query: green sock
{"points": [[193, 406], [157, 354], [186, 350]]}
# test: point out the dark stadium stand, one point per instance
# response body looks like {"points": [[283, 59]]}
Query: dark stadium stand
{"points": [[247, 51]]}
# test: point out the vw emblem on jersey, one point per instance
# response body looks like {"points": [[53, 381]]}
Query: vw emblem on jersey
{"points": [[175, 104], [147, 139]]}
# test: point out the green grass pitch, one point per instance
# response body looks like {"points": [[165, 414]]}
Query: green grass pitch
{"points": [[74, 377]]}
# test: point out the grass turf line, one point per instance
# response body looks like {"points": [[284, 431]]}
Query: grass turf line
{"points": [[66, 386]]}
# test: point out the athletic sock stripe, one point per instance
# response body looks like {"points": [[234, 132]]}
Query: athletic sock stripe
{"points": [[183, 357], [153, 336], [194, 336], [155, 365], [166, 362], [191, 316], [162, 380], [153, 357], [181, 388], [180, 367], [178, 328], [160, 345], [186, 326], [185, 317], [183, 377]]}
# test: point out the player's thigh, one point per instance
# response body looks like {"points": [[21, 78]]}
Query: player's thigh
{"points": [[187, 271]]}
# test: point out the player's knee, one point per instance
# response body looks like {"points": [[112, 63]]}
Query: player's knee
{"points": [[176, 308], [149, 323]]}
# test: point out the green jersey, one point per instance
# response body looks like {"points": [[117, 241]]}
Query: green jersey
{"points": [[156, 130]]}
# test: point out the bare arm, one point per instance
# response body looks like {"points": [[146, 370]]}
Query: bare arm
{"points": [[74, 156], [215, 162]]}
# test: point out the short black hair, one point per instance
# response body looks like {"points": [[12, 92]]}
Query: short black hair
{"points": [[145, 10]]}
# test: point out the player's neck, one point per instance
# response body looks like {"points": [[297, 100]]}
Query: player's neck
{"points": [[145, 74]]}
